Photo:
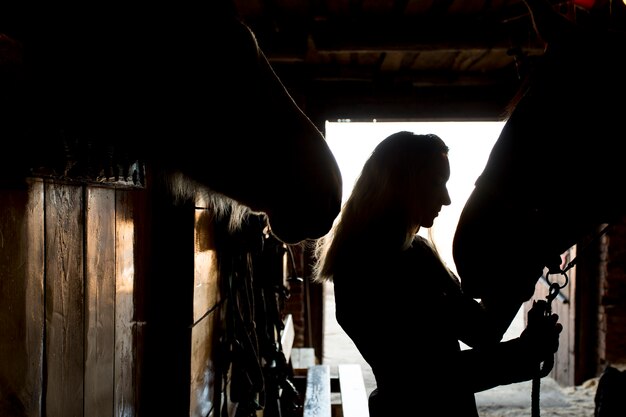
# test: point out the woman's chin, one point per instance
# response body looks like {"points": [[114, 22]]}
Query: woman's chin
{"points": [[428, 223]]}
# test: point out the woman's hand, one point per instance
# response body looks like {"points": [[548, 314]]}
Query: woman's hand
{"points": [[541, 335]]}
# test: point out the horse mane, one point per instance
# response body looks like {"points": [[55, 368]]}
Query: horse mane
{"points": [[183, 188]]}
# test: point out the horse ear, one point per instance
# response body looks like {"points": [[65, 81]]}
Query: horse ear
{"points": [[551, 26]]}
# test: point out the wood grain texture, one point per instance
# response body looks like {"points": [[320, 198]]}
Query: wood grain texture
{"points": [[21, 299], [129, 322], [64, 300], [317, 396], [99, 301]]}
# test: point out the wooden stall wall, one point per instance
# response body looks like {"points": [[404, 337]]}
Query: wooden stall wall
{"points": [[76, 302], [70, 337], [612, 298], [115, 302]]}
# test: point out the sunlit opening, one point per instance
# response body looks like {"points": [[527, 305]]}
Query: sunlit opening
{"points": [[470, 144]]}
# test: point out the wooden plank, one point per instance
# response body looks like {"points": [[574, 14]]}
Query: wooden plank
{"points": [[205, 298], [125, 271], [64, 300], [570, 310], [206, 271], [99, 301], [287, 336], [317, 397], [21, 298], [203, 367], [352, 388]]}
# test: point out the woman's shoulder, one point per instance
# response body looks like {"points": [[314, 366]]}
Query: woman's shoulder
{"points": [[421, 245], [420, 241], [423, 252]]}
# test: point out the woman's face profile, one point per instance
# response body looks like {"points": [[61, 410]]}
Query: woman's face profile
{"points": [[434, 191]]}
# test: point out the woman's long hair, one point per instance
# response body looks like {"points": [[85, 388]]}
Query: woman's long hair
{"points": [[379, 214]]}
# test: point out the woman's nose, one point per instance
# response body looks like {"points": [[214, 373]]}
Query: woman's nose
{"points": [[446, 201]]}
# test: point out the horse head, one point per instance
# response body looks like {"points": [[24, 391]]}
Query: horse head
{"points": [[552, 176], [186, 92]]}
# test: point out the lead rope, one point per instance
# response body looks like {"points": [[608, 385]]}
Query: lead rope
{"points": [[553, 291]]}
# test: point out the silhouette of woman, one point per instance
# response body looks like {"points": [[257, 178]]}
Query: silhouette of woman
{"points": [[390, 281]]}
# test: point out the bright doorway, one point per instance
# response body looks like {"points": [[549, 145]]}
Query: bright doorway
{"points": [[470, 144]]}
